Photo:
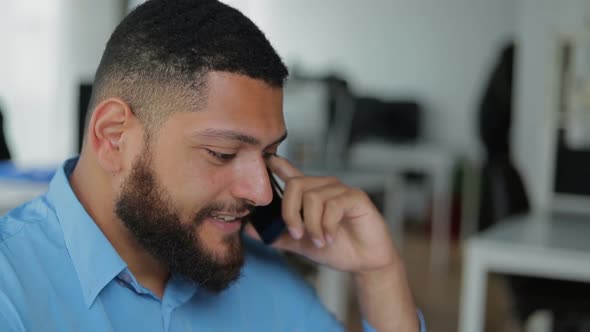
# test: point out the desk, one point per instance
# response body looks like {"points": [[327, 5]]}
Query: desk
{"points": [[547, 246], [16, 192], [18, 185]]}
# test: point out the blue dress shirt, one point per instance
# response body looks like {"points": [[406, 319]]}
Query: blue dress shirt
{"points": [[58, 272]]}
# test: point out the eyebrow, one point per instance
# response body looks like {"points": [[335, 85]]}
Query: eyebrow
{"points": [[233, 136]]}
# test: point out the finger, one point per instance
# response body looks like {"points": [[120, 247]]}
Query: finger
{"points": [[283, 242], [304, 247], [291, 208], [283, 168], [293, 201], [313, 210], [286, 242], [332, 217]]}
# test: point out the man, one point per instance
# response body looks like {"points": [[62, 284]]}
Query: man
{"points": [[143, 231]]}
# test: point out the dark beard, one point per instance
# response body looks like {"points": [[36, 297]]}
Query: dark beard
{"points": [[147, 211]]}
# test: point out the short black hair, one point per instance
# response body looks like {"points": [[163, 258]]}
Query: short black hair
{"points": [[165, 48]]}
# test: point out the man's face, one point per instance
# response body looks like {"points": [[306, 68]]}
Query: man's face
{"points": [[188, 192]]}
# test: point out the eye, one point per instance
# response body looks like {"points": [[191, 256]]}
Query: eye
{"points": [[225, 157]]}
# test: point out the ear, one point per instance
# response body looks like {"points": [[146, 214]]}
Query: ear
{"points": [[110, 119]]}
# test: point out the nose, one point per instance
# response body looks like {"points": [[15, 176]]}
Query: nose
{"points": [[252, 183]]}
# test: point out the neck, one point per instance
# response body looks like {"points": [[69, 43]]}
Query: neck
{"points": [[94, 189]]}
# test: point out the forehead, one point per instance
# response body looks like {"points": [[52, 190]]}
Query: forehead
{"points": [[235, 102]]}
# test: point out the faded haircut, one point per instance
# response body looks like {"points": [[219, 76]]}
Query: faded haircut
{"points": [[158, 57]]}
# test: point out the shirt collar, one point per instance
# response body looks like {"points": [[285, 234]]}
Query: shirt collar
{"points": [[94, 258]]}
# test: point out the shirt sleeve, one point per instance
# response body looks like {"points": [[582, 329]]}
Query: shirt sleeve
{"points": [[369, 328]]}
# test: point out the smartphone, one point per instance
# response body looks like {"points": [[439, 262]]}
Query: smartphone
{"points": [[268, 220]]}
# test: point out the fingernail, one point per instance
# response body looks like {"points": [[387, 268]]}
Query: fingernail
{"points": [[296, 233], [318, 243], [329, 239]]}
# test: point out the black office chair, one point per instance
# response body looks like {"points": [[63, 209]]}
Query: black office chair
{"points": [[502, 191], [4, 153]]}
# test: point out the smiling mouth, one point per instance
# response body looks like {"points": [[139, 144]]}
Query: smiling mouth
{"points": [[226, 219], [229, 218]]}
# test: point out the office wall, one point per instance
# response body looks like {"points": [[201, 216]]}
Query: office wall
{"points": [[28, 59], [438, 51], [85, 27], [48, 47]]}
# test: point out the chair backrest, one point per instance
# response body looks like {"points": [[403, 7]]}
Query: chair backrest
{"points": [[4, 153]]}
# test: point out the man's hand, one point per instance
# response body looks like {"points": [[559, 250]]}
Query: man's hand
{"points": [[338, 226], [331, 223]]}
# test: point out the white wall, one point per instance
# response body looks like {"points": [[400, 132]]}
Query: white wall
{"points": [[29, 74], [85, 26], [438, 51], [539, 23], [50, 46]]}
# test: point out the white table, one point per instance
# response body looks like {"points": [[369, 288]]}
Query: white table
{"points": [[547, 246], [14, 193], [435, 163]]}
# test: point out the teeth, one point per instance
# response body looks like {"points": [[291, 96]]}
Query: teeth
{"points": [[225, 218]]}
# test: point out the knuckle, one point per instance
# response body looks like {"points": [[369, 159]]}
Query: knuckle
{"points": [[359, 193], [332, 179], [332, 204], [294, 183]]}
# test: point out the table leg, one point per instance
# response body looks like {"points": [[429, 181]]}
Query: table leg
{"points": [[441, 225], [393, 205], [473, 291]]}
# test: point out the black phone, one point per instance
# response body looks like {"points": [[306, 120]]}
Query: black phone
{"points": [[268, 220]]}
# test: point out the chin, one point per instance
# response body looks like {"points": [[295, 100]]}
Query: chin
{"points": [[223, 246]]}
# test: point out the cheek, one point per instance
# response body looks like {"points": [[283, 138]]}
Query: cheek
{"points": [[197, 185], [117, 184]]}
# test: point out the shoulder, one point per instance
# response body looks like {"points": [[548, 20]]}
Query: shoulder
{"points": [[29, 234], [28, 214]]}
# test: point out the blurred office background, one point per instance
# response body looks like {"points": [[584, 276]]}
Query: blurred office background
{"points": [[473, 116]]}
